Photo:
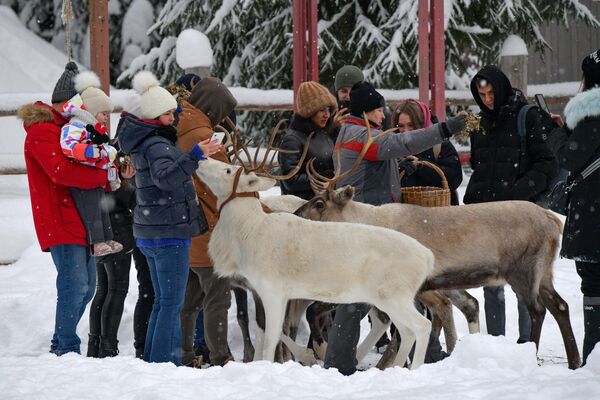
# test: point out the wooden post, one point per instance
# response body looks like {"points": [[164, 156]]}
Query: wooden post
{"points": [[438, 60], [423, 37], [99, 48], [299, 45], [313, 41]]}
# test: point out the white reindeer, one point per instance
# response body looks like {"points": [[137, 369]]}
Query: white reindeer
{"points": [[285, 257]]}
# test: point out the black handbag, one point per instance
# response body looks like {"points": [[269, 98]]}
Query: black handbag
{"points": [[560, 196]]}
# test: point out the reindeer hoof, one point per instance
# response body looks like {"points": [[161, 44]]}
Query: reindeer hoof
{"points": [[307, 358]]}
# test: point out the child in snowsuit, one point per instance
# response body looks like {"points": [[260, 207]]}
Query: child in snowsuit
{"points": [[85, 139]]}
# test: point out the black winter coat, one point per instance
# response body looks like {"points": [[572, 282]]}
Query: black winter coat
{"points": [[495, 149], [447, 161], [320, 148], [166, 202], [577, 147]]}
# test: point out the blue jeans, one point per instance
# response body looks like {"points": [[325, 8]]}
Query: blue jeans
{"points": [[75, 284], [169, 268]]}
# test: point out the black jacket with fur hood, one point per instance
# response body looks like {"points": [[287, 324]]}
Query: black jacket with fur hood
{"points": [[577, 146], [320, 148], [495, 149]]}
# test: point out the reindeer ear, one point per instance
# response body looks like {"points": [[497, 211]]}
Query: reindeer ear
{"points": [[343, 195]]}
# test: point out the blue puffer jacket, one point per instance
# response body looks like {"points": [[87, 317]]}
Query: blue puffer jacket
{"points": [[167, 206]]}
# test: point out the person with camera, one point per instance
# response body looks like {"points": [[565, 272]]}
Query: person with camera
{"points": [[501, 172], [577, 146]]}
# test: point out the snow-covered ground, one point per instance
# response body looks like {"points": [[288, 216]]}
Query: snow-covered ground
{"points": [[481, 367]]}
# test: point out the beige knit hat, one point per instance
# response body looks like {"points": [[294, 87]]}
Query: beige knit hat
{"points": [[94, 99], [312, 97]]}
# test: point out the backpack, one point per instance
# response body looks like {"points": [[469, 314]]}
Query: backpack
{"points": [[541, 199]]}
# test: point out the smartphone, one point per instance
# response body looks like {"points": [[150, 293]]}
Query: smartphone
{"points": [[539, 99], [218, 137]]}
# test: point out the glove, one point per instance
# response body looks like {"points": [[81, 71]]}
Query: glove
{"points": [[93, 152], [96, 135], [453, 125], [407, 165]]}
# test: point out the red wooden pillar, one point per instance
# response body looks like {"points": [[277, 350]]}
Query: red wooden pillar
{"points": [[306, 54], [423, 37], [431, 41], [99, 48], [438, 60]]}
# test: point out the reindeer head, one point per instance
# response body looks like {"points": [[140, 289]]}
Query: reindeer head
{"points": [[327, 205], [220, 178]]}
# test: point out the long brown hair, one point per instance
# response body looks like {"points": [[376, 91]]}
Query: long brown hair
{"points": [[411, 109]]}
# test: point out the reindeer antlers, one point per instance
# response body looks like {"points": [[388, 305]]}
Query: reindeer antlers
{"points": [[251, 164], [319, 183]]}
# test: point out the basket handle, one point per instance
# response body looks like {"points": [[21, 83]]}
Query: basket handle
{"points": [[435, 168]]}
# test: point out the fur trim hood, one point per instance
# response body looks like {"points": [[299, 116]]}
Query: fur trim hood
{"points": [[36, 113], [582, 106]]}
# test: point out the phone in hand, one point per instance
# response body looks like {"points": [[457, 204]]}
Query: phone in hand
{"points": [[539, 99], [218, 137]]}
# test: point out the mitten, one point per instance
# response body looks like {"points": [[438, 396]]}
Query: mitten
{"points": [[407, 166], [453, 125], [97, 134]]}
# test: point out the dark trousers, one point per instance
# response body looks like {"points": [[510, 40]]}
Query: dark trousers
{"points": [[495, 314], [93, 211], [143, 306], [343, 337], [590, 278], [590, 287], [207, 292], [112, 282]]}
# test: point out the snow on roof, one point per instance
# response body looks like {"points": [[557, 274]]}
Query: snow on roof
{"points": [[513, 46], [28, 63], [193, 49]]}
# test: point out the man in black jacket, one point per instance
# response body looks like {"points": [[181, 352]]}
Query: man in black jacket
{"points": [[500, 172]]}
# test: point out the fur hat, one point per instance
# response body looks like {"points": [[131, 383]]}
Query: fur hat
{"points": [[155, 100], [347, 76], [94, 99], [591, 69], [364, 98], [65, 87], [312, 97]]}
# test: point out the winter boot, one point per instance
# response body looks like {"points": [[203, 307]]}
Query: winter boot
{"points": [[591, 320], [93, 345], [108, 347]]}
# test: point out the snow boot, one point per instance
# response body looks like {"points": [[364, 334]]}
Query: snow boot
{"points": [[93, 345], [108, 347], [591, 320]]}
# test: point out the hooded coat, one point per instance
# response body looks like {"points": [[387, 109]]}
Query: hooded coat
{"points": [[50, 174], [194, 126], [577, 146], [495, 148], [166, 202]]}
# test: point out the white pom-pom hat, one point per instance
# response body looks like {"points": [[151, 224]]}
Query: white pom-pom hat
{"points": [[94, 99], [154, 100]]}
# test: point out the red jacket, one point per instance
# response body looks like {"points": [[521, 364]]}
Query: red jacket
{"points": [[50, 173]]}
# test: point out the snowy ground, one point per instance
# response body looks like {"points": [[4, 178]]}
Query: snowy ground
{"points": [[481, 367]]}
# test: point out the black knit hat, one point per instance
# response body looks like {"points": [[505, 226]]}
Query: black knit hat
{"points": [[65, 87], [364, 98], [591, 69], [188, 81]]}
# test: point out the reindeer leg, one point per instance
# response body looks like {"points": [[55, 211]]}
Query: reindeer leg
{"points": [[380, 323], [300, 353], [413, 328], [274, 314], [390, 352], [318, 316], [468, 305], [441, 308], [560, 311], [259, 335], [241, 301], [295, 310]]}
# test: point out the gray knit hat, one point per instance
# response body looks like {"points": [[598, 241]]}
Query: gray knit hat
{"points": [[347, 76], [65, 87]]}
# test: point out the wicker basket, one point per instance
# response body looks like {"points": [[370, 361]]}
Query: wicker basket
{"points": [[427, 196]]}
